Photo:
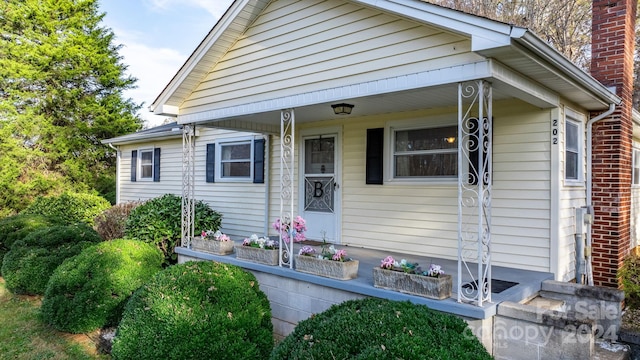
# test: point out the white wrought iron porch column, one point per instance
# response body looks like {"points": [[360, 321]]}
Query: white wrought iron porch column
{"points": [[475, 113], [287, 148], [188, 171]]}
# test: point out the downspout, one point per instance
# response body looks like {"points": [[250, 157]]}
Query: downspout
{"points": [[117, 172], [587, 253]]}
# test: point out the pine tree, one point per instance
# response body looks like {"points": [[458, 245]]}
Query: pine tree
{"points": [[61, 92]]}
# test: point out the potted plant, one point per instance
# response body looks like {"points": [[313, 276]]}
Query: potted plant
{"points": [[331, 263], [258, 249], [213, 243], [409, 278]]}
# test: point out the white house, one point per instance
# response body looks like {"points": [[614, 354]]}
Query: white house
{"points": [[401, 169]]}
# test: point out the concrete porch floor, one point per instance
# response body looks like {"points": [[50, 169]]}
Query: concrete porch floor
{"points": [[529, 282]]}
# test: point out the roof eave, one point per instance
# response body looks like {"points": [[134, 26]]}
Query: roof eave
{"points": [[138, 138], [541, 49]]}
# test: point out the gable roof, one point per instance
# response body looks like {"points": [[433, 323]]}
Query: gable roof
{"points": [[516, 47]]}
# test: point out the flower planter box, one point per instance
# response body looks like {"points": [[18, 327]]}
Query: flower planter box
{"points": [[212, 246], [258, 255], [341, 270], [425, 286]]}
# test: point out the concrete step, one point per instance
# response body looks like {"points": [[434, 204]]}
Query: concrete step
{"points": [[546, 303], [605, 350]]}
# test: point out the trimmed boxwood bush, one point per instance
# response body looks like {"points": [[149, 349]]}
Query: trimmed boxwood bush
{"points": [[31, 261], [17, 227], [380, 329], [110, 223], [196, 310], [158, 222], [70, 207], [89, 291], [629, 275]]}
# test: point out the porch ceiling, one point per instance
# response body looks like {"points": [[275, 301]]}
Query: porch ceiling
{"points": [[380, 104]]}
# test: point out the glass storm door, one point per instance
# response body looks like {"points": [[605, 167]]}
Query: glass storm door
{"points": [[320, 187]]}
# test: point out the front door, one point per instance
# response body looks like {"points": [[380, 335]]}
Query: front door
{"points": [[320, 186]]}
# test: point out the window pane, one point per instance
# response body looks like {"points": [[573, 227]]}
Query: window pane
{"points": [[442, 164], [236, 152], [146, 157], [319, 156], [146, 164], [147, 171], [572, 136], [236, 169], [427, 139], [571, 167]]}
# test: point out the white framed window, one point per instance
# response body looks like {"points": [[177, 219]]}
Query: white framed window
{"points": [[574, 155], [145, 163], [424, 153], [235, 160], [636, 167]]}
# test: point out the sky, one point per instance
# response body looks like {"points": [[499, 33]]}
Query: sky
{"points": [[157, 37]]}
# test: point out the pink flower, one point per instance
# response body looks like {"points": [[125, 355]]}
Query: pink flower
{"points": [[339, 255], [246, 242], [298, 237], [387, 263]]}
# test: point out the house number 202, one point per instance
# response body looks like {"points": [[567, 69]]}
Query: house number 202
{"points": [[554, 131]]}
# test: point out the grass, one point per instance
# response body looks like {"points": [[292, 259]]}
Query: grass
{"points": [[24, 336]]}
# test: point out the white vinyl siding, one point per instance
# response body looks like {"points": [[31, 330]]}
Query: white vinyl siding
{"points": [[289, 51], [422, 218], [241, 204], [572, 194]]}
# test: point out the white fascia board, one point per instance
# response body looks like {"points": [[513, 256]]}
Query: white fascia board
{"points": [[453, 74], [166, 110], [200, 52], [568, 69], [485, 33]]}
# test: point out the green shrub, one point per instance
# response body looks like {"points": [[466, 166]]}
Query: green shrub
{"points": [[196, 310], [158, 222], [70, 207], [110, 223], [380, 329], [31, 261], [629, 275], [90, 290], [16, 227]]}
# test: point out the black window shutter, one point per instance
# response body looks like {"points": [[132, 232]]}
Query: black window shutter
{"points": [[134, 164], [211, 162], [258, 161], [374, 167], [156, 164]]}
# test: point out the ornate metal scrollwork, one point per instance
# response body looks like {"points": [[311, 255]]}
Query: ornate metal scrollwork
{"points": [[287, 143], [188, 170], [474, 191]]}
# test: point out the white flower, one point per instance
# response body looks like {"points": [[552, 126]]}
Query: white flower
{"points": [[217, 234], [332, 249], [254, 238]]}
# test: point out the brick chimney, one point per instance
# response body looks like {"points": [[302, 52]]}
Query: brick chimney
{"points": [[613, 35]]}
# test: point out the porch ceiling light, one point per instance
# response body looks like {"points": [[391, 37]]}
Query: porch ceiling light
{"points": [[342, 109]]}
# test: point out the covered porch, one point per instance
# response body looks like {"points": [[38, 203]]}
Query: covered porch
{"points": [[474, 98]]}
